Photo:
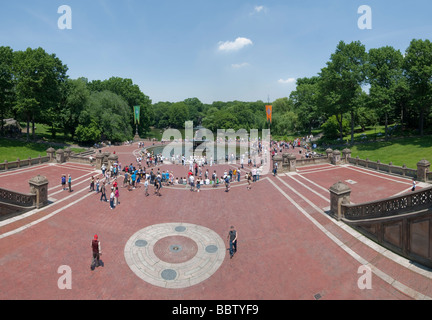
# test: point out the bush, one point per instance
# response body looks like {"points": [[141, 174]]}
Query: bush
{"points": [[331, 128]]}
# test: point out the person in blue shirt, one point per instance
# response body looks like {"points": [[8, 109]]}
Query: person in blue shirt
{"points": [[133, 177]]}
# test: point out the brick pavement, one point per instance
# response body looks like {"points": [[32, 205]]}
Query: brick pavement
{"points": [[288, 247]]}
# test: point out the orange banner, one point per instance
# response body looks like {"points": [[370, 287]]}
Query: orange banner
{"points": [[269, 110]]}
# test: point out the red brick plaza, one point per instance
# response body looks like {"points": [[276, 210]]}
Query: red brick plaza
{"points": [[173, 247]]}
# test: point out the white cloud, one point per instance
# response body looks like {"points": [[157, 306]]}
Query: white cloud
{"points": [[259, 8], [239, 65], [287, 81], [235, 45]]}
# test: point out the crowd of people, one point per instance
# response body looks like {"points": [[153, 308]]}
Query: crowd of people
{"points": [[199, 171]]}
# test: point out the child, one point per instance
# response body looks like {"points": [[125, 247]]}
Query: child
{"points": [[198, 184]]}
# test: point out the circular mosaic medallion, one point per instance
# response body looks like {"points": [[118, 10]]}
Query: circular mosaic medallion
{"points": [[174, 255]]}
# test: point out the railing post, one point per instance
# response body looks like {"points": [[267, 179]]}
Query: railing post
{"points": [[339, 194]]}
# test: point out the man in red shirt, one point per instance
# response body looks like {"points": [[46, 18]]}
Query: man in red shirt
{"points": [[97, 252]]}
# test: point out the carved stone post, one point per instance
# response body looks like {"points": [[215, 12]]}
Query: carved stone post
{"points": [[292, 160], [423, 167], [50, 153], [346, 153], [336, 157], [329, 153], [339, 193], [67, 154], [39, 187], [99, 160], [113, 158], [60, 156]]}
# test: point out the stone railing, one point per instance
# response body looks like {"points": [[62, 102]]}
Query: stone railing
{"points": [[402, 224], [17, 199], [13, 201], [5, 166], [411, 201]]}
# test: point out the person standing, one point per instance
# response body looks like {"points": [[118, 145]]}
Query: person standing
{"points": [[413, 186], [70, 183], [232, 238], [117, 196], [146, 185], [92, 184], [63, 182], [97, 252], [112, 196]]}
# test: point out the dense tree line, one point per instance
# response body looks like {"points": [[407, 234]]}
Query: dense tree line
{"points": [[359, 88], [356, 88], [35, 88]]}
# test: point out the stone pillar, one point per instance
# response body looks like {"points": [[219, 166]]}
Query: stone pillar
{"points": [[339, 194], [99, 160], [39, 187], [67, 153], [292, 160], [113, 158], [336, 157], [50, 153], [423, 167], [60, 158], [279, 160], [329, 153], [346, 154]]}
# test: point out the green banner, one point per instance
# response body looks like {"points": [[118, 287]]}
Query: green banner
{"points": [[137, 114]]}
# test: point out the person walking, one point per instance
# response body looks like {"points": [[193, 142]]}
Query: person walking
{"points": [[97, 252], [103, 192], [413, 185], [249, 178], [232, 238]]}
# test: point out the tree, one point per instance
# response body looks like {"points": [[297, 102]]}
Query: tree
{"points": [[110, 113], [418, 69], [178, 115], [76, 97], [341, 82], [39, 77], [133, 96], [7, 95], [385, 73], [305, 100]]}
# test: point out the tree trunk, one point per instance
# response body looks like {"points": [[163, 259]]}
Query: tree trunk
{"points": [[352, 127], [386, 126], [28, 127], [421, 121], [33, 128], [340, 126]]}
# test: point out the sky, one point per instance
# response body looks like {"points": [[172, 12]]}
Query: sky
{"points": [[214, 50]]}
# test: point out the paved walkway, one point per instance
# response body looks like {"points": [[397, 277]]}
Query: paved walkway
{"points": [[174, 246]]}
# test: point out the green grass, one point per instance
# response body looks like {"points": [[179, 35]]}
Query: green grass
{"points": [[408, 151], [11, 150]]}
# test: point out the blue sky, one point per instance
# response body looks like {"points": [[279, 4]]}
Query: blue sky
{"points": [[220, 50]]}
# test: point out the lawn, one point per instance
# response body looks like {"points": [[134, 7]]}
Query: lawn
{"points": [[11, 150], [408, 151]]}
